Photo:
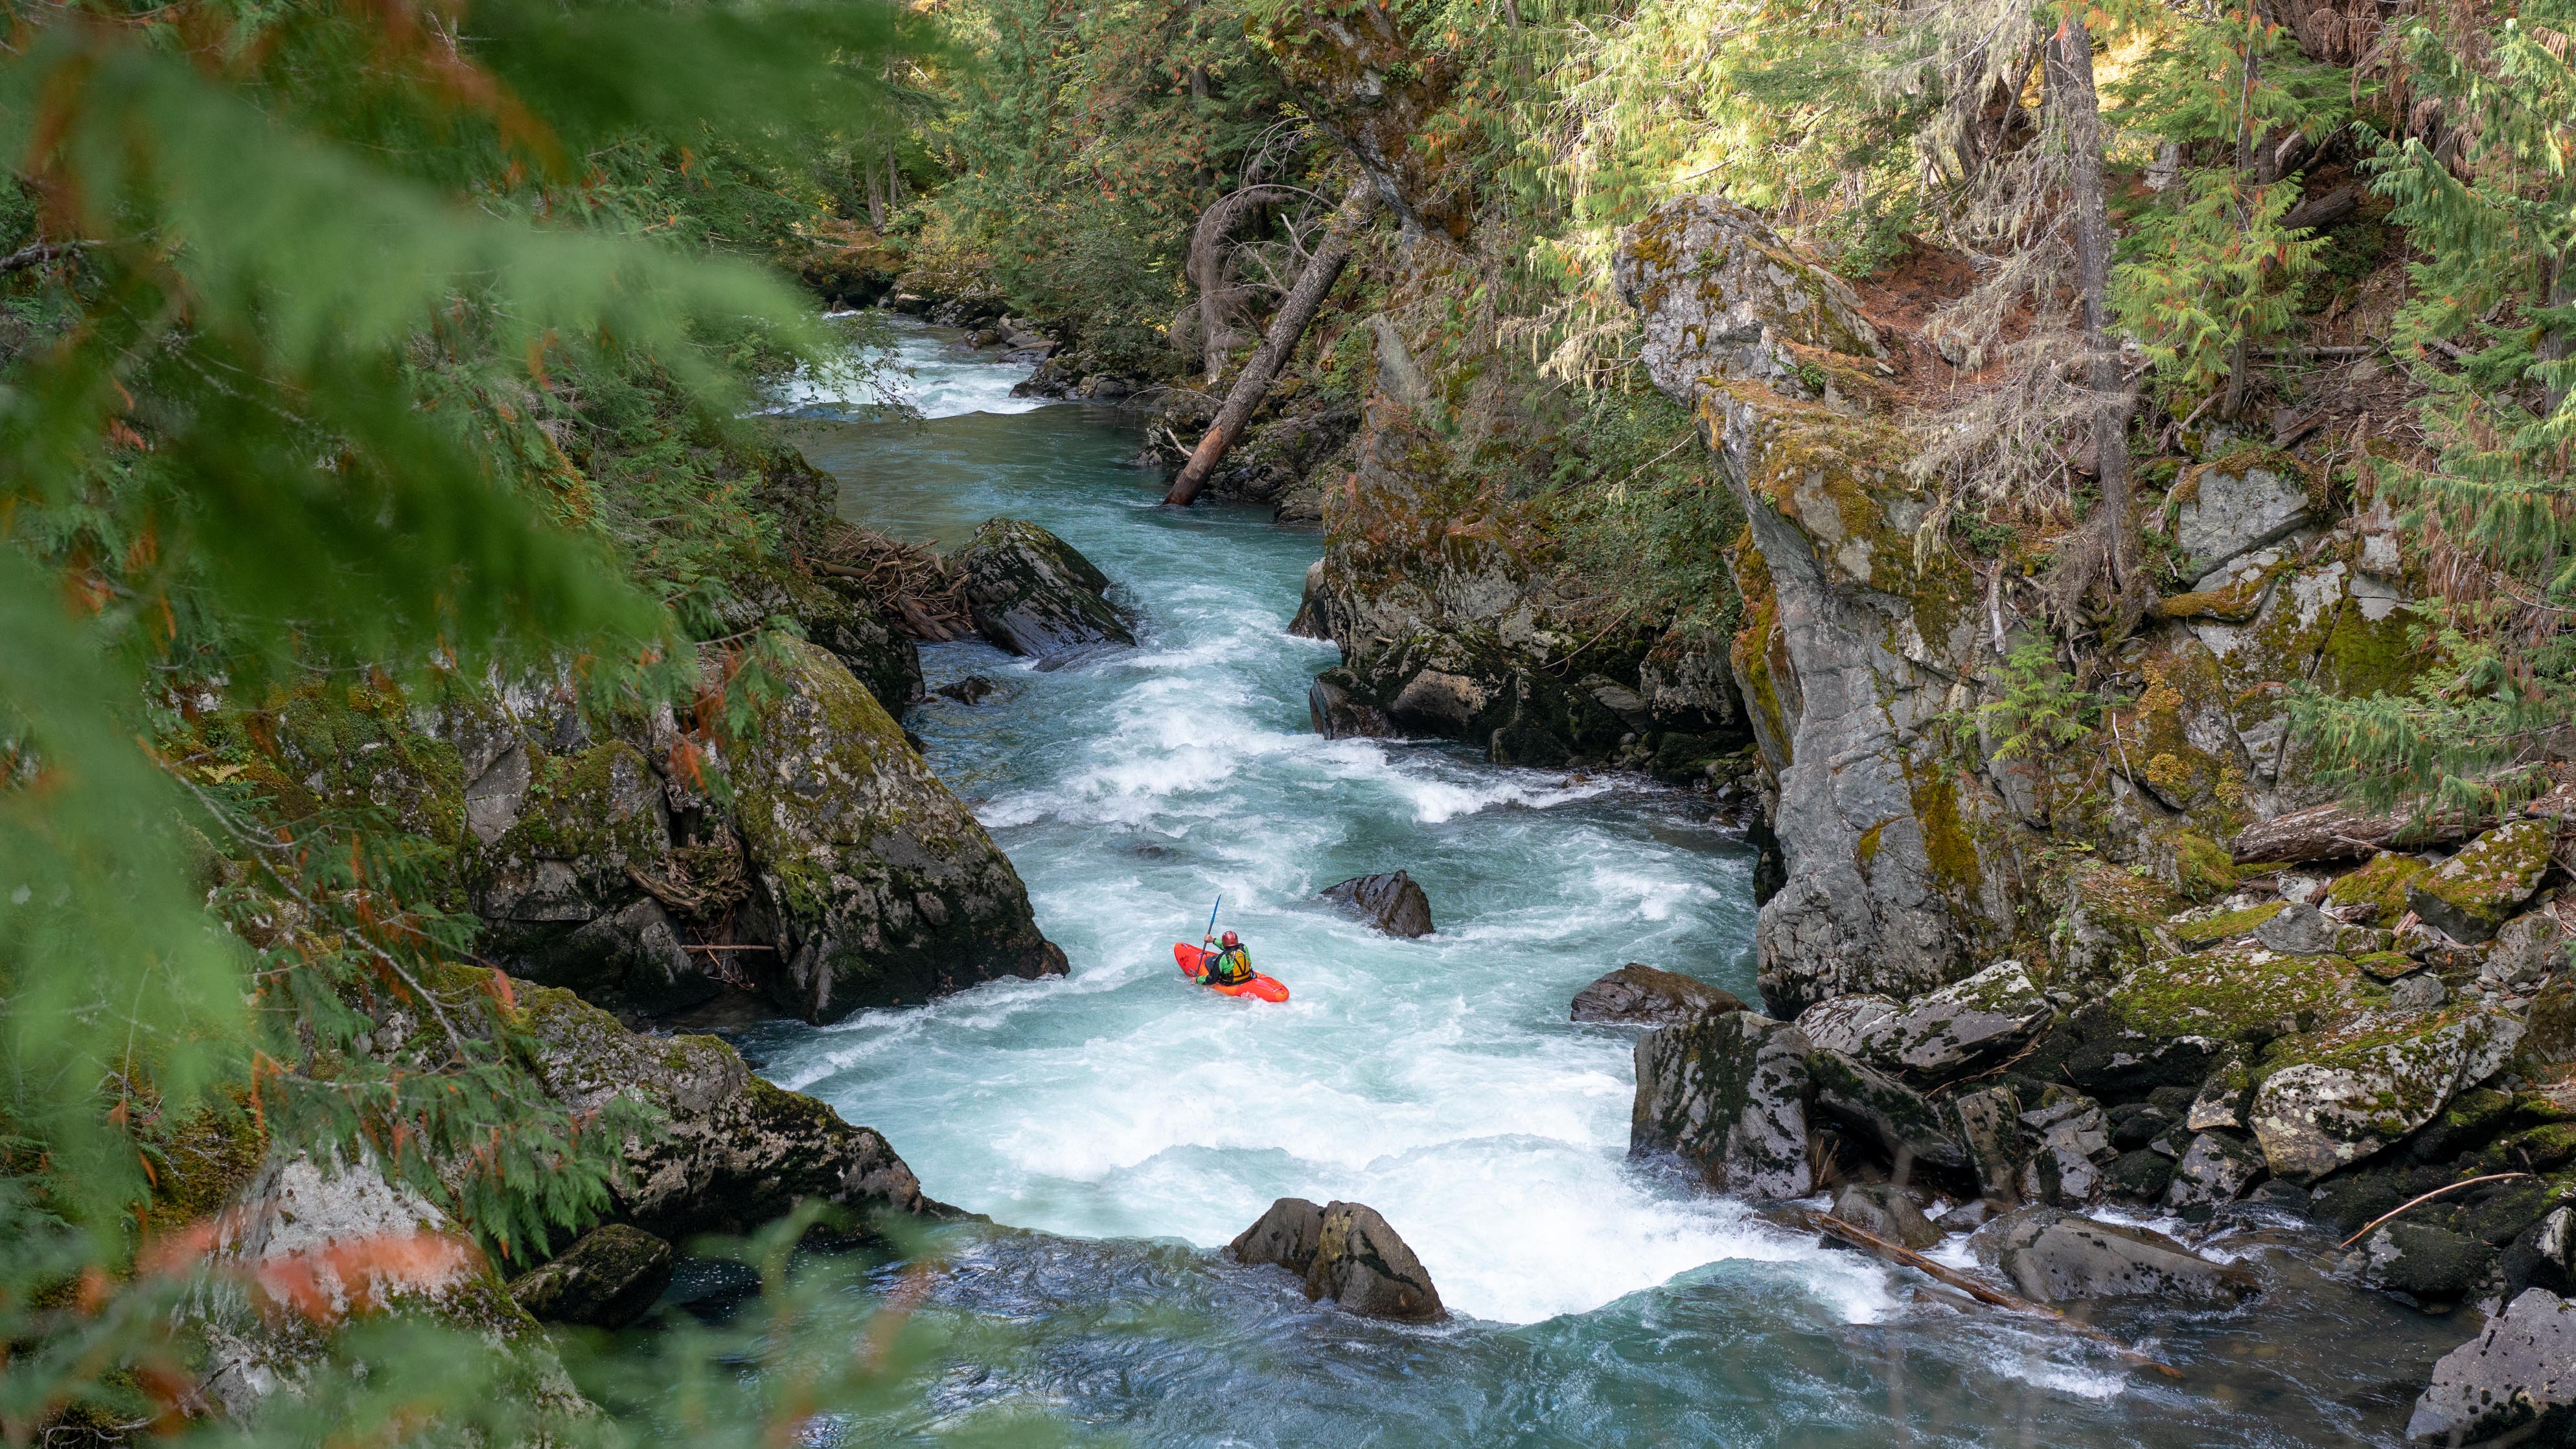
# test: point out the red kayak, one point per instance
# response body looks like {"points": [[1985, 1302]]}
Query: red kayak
{"points": [[1193, 961]]}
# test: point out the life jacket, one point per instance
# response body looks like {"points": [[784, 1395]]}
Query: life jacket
{"points": [[1230, 966]]}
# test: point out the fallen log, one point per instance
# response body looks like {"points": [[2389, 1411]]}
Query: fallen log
{"points": [[2331, 832], [1285, 329], [1860, 1237]]}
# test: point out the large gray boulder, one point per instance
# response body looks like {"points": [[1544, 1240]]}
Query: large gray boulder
{"points": [[2215, 1170], [1391, 901], [1345, 1252], [2059, 1257], [1031, 593], [874, 883], [1637, 995], [1727, 1094], [1843, 1023], [606, 1279], [2347, 1093], [1988, 1125], [1965, 1024], [733, 1152], [2522, 1366], [1904, 1123]]}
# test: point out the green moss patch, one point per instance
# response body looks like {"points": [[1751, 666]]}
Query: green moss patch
{"points": [[2233, 994], [2377, 890], [2224, 926]]}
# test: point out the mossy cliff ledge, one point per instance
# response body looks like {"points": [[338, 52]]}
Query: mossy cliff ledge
{"points": [[1852, 651]]}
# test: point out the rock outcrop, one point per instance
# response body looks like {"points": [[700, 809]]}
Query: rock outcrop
{"points": [[1637, 995], [1392, 901], [733, 1152], [1344, 1252], [1032, 594], [1728, 1095]]}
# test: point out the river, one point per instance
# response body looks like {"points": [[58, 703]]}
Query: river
{"points": [[1119, 1123]]}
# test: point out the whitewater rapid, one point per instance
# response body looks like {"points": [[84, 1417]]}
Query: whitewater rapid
{"points": [[1119, 1122]]}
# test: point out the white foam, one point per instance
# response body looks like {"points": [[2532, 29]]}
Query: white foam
{"points": [[926, 369]]}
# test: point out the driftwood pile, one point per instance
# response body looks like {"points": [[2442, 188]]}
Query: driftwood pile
{"points": [[924, 598]]}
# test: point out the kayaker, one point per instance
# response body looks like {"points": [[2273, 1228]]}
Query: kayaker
{"points": [[1230, 965]]}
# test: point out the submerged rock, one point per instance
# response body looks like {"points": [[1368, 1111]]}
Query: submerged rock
{"points": [[606, 1279], [973, 689], [876, 885], [1345, 1252], [1391, 901], [1727, 1094], [1031, 593], [1637, 995], [2058, 1257], [2521, 1367]]}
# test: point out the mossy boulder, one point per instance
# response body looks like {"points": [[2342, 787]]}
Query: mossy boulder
{"points": [[606, 1279], [730, 1151], [2332, 1098], [1728, 1095], [2376, 893], [2479, 889], [875, 884], [1965, 1024], [1031, 593]]}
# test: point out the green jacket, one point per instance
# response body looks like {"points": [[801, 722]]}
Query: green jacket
{"points": [[1229, 967]]}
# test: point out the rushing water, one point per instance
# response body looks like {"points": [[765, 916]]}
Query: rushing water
{"points": [[1130, 1121]]}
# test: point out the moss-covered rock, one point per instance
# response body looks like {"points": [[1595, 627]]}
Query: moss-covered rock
{"points": [[2376, 893], [1728, 1095], [2201, 930], [1032, 593], [2477, 890], [2332, 1098], [606, 1279], [874, 882], [732, 1151]]}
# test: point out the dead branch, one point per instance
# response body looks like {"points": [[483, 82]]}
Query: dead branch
{"points": [[2419, 1201]]}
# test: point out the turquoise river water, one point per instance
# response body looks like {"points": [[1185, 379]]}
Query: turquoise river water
{"points": [[1119, 1125]]}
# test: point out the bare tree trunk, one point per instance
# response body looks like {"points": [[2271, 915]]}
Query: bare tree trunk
{"points": [[1512, 13], [2073, 73], [1321, 272], [1207, 268]]}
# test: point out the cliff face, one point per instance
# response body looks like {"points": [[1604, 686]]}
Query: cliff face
{"points": [[1876, 659]]}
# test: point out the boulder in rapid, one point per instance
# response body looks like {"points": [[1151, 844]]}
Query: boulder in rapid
{"points": [[1345, 1252], [1031, 593], [1392, 901], [2059, 1257]]}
